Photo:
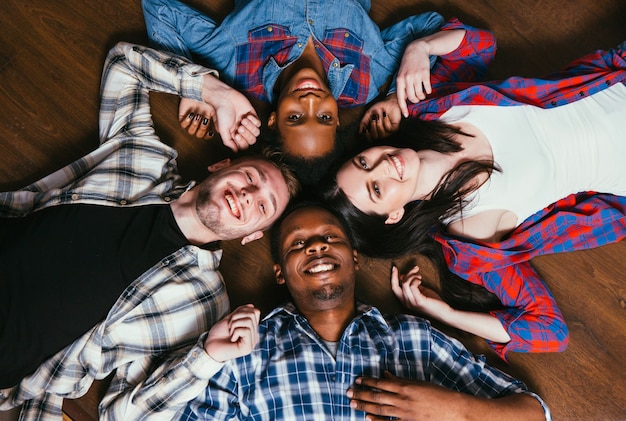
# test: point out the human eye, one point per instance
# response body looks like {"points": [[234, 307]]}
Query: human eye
{"points": [[376, 189], [249, 177], [294, 117], [325, 117], [363, 163], [263, 210]]}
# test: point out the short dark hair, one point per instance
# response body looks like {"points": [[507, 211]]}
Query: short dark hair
{"points": [[293, 206]]}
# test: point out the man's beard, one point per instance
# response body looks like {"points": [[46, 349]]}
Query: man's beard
{"points": [[209, 213], [328, 292]]}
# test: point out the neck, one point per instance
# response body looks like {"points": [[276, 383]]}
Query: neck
{"points": [[330, 324], [186, 216]]}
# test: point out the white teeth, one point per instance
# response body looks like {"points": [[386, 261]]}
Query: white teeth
{"points": [[307, 86], [321, 268], [233, 207], [397, 164]]}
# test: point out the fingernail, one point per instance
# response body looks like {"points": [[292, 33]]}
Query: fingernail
{"points": [[384, 114], [205, 121], [190, 116], [375, 117], [211, 133], [349, 393]]}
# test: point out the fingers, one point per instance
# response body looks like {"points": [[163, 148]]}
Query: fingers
{"points": [[198, 125], [376, 397]]}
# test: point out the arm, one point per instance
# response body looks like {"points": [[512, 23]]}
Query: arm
{"points": [[413, 79], [132, 71], [414, 399], [414, 296], [176, 382], [530, 315]]}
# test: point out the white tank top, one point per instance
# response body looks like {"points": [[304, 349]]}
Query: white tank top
{"points": [[547, 154]]}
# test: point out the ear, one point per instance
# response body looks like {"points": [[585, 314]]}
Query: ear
{"points": [[278, 273], [219, 165], [251, 237], [271, 120], [395, 216]]}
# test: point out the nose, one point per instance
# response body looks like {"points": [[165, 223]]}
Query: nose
{"points": [[316, 245], [248, 195]]}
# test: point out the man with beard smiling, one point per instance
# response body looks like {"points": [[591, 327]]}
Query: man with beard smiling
{"points": [[326, 356], [113, 254]]}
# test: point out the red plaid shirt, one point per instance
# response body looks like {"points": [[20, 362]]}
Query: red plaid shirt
{"points": [[580, 221]]}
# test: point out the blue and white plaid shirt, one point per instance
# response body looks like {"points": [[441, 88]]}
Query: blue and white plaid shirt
{"points": [[168, 307], [291, 374]]}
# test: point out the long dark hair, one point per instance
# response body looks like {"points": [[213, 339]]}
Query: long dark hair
{"points": [[412, 234]]}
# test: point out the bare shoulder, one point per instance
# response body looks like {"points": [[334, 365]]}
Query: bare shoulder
{"points": [[489, 225]]}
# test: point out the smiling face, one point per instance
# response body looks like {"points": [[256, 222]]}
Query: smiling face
{"points": [[317, 261], [242, 198], [380, 180], [306, 115]]}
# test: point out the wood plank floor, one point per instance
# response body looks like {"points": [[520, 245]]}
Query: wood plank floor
{"points": [[51, 56]]}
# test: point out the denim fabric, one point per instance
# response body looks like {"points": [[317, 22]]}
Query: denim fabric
{"points": [[259, 38]]}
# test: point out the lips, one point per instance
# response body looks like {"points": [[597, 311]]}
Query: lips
{"points": [[319, 266], [397, 163], [308, 85], [233, 204]]}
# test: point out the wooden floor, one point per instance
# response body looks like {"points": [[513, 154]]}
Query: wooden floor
{"points": [[51, 55]]}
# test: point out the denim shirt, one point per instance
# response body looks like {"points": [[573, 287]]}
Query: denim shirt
{"points": [[260, 38]]}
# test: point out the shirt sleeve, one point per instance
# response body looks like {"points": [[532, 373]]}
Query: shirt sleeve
{"points": [[220, 399], [454, 367], [163, 393], [130, 73]]}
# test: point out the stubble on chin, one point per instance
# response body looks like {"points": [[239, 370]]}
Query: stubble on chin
{"points": [[328, 292]]}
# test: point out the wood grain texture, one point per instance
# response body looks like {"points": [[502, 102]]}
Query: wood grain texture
{"points": [[51, 56]]}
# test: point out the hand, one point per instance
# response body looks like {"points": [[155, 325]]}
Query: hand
{"points": [[382, 119], [197, 118], [405, 399], [413, 80], [235, 335], [236, 120], [409, 290]]}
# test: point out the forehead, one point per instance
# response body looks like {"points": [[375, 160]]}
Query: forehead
{"points": [[310, 219]]}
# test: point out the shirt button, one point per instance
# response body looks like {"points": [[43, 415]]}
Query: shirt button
{"points": [[123, 202], [347, 34], [167, 199], [608, 82], [553, 103], [581, 93], [310, 21], [300, 44], [335, 64], [75, 196], [334, 378], [194, 354], [270, 29]]}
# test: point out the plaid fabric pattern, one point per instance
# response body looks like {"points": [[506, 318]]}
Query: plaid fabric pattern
{"points": [[581, 221], [291, 374], [172, 303]]}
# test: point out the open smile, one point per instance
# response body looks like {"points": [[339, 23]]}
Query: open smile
{"points": [[233, 204], [319, 266], [397, 163], [308, 85]]}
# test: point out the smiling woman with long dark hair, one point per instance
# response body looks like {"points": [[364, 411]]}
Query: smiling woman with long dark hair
{"points": [[485, 176]]}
